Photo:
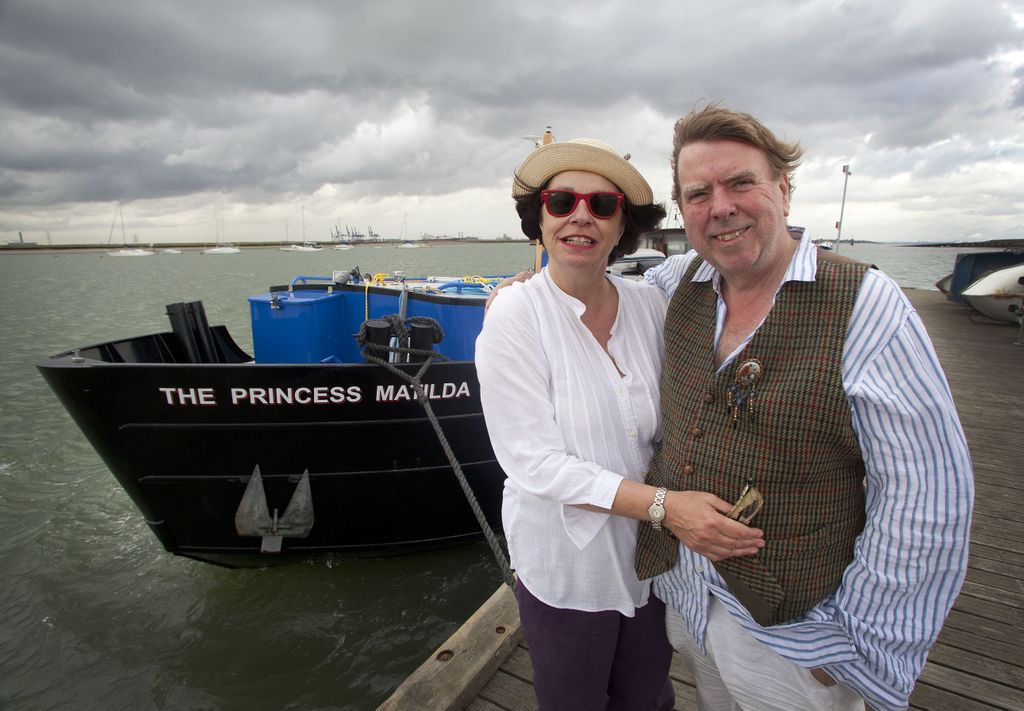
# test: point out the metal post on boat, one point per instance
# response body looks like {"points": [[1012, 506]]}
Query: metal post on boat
{"points": [[378, 332], [421, 338]]}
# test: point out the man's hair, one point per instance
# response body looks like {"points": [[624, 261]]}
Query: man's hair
{"points": [[715, 123]]}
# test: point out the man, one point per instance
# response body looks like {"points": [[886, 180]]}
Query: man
{"points": [[806, 384]]}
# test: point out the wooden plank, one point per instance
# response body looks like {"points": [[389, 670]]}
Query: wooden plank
{"points": [[479, 704], [972, 641], [994, 629], [986, 592], [998, 671], [1008, 567], [991, 610], [997, 581], [457, 670], [686, 696], [680, 670], [508, 692], [959, 683], [930, 698], [999, 493], [983, 547], [1000, 475], [1008, 525]]}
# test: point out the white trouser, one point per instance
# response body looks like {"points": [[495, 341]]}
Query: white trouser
{"points": [[741, 674]]}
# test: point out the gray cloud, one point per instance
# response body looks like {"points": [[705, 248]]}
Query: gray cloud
{"points": [[263, 104]]}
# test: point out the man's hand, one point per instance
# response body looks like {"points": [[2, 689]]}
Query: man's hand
{"points": [[698, 519], [507, 281]]}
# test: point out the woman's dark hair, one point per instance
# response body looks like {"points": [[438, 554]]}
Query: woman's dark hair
{"points": [[636, 219]]}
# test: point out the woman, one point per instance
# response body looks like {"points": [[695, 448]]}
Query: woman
{"points": [[569, 364]]}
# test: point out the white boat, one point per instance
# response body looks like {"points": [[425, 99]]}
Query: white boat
{"points": [[635, 264], [171, 250], [342, 247], [998, 294], [131, 252], [403, 235], [825, 244], [125, 251], [305, 245], [218, 235]]}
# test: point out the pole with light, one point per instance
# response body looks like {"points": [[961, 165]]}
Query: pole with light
{"points": [[842, 206]]}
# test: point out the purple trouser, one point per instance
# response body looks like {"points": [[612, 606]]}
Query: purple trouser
{"points": [[594, 661]]}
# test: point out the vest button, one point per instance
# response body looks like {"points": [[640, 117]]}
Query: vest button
{"points": [[709, 398], [688, 469], [696, 432]]}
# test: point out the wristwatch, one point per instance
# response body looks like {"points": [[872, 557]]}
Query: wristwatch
{"points": [[657, 510]]}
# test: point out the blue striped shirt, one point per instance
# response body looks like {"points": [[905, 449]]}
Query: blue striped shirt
{"points": [[874, 632]]}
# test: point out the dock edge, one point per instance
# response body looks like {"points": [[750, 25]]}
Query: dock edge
{"points": [[453, 675]]}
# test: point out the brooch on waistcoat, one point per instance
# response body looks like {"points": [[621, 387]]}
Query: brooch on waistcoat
{"points": [[740, 395]]}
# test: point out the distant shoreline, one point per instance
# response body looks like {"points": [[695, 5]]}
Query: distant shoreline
{"points": [[993, 243], [192, 247]]}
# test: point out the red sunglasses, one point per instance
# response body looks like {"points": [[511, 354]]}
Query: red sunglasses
{"points": [[560, 203]]}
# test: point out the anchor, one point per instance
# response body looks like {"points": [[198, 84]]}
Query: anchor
{"points": [[253, 517]]}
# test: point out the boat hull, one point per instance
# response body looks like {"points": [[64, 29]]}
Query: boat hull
{"points": [[998, 294], [971, 266], [184, 439]]}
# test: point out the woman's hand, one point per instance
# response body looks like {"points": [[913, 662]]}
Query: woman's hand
{"points": [[699, 520]]}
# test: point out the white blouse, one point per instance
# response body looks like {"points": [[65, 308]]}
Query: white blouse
{"points": [[567, 428]]}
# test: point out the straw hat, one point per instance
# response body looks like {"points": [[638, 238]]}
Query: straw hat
{"points": [[581, 154]]}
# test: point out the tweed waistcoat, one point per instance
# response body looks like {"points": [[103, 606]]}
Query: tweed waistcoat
{"points": [[791, 435]]}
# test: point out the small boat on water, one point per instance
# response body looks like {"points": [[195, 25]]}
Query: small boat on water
{"points": [[308, 445], [125, 251], [304, 247], [132, 252], [222, 249], [998, 294]]}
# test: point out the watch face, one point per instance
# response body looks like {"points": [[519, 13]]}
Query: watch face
{"points": [[657, 513]]}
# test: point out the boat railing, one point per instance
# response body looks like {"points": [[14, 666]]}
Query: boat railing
{"points": [[306, 278]]}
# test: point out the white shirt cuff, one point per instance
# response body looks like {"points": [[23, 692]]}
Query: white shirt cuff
{"points": [[581, 526]]}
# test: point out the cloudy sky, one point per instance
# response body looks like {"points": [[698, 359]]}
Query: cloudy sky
{"points": [[256, 118]]}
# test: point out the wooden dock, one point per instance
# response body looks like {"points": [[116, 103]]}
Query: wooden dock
{"points": [[978, 661]]}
